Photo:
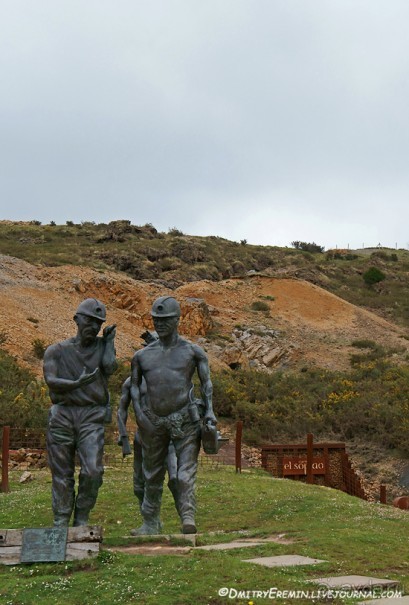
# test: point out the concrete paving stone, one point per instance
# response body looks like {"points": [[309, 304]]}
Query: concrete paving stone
{"points": [[355, 582], [230, 545], [284, 561]]}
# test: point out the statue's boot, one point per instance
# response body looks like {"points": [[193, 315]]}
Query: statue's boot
{"points": [[80, 517], [188, 525], [150, 510], [61, 520], [148, 528]]}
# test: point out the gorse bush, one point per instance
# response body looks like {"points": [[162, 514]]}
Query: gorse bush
{"points": [[38, 348], [259, 305], [30, 406], [364, 344], [373, 276], [307, 246], [24, 400], [370, 402]]}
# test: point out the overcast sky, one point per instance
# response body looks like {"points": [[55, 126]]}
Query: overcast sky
{"points": [[265, 120]]}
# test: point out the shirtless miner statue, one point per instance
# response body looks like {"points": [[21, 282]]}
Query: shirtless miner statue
{"points": [[171, 414], [76, 371], [138, 476]]}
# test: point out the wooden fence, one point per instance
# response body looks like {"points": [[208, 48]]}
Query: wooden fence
{"points": [[320, 463]]}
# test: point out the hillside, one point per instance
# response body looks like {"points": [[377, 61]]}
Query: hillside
{"points": [[172, 259], [256, 307], [303, 325]]}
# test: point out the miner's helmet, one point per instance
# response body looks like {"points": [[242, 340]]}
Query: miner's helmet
{"points": [[92, 308], [165, 306]]}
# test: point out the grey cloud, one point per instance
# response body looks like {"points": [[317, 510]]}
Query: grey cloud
{"points": [[289, 111]]}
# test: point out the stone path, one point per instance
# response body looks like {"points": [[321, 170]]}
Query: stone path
{"points": [[160, 545], [284, 561], [245, 542]]}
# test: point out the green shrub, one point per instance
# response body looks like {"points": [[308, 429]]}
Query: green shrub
{"points": [[375, 352], [259, 305], [381, 254], [364, 344], [24, 401], [38, 348], [116, 381], [373, 276], [175, 231], [369, 402], [307, 247]]}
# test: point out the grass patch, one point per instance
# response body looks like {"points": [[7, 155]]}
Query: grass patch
{"points": [[364, 344], [352, 536]]}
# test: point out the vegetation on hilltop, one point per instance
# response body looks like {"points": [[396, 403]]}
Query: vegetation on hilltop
{"points": [[174, 258]]}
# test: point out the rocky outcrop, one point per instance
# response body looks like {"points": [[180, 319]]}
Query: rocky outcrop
{"points": [[252, 347], [196, 319]]}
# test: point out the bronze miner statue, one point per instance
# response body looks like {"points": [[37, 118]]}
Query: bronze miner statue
{"points": [[170, 413], [76, 371], [170, 462]]}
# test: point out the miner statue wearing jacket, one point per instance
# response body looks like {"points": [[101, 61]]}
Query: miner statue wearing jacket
{"points": [[170, 414], [76, 371]]}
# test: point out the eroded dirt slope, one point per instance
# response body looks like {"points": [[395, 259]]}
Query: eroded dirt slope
{"points": [[308, 325]]}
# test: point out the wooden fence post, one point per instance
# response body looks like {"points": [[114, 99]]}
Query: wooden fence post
{"points": [[5, 460], [382, 494], [239, 431], [310, 453]]}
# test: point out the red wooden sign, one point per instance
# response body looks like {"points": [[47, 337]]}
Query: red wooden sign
{"points": [[298, 466]]}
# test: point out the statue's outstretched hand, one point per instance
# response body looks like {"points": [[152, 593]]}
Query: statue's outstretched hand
{"points": [[87, 377]]}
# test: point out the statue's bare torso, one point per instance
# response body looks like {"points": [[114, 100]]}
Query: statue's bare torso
{"points": [[168, 373]]}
